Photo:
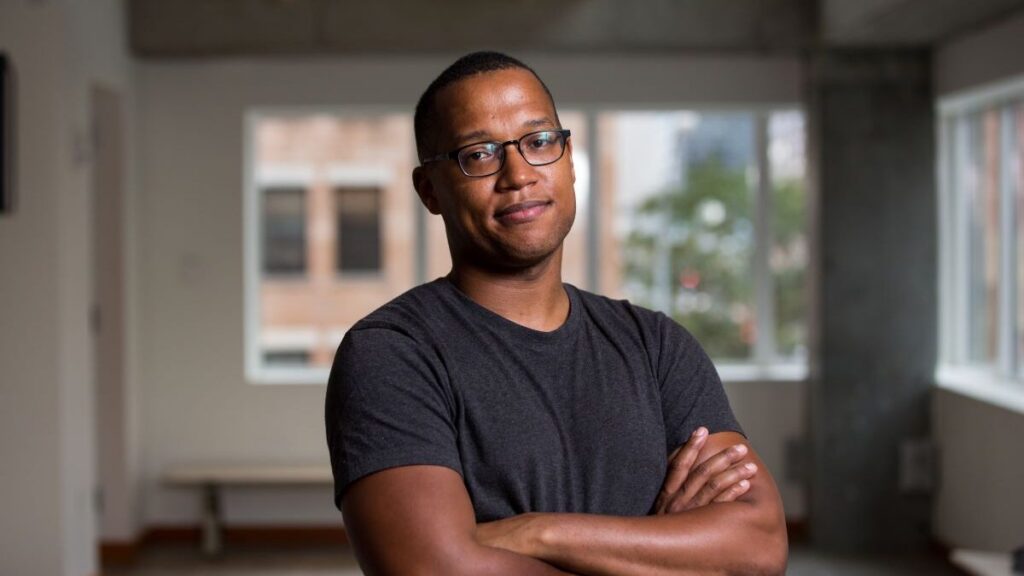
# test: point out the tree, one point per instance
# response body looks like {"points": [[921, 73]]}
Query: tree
{"points": [[704, 232]]}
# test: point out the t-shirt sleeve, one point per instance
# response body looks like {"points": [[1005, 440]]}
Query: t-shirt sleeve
{"points": [[691, 390], [387, 405]]}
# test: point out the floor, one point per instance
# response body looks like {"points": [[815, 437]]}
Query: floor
{"points": [[239, 560]]}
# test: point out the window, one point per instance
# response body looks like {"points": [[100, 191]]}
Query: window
{"points": [[284, 230], [700, 214], [358, 234], [982, 233], [707, 224]]}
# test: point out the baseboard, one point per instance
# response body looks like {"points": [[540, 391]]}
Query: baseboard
{"points": [[118, 553], [124, 553]]}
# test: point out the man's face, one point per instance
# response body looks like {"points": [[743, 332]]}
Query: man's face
{"points": [[520, 215]]}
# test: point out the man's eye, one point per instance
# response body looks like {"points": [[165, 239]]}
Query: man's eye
{"points": [[478, 155], [541, 141]]}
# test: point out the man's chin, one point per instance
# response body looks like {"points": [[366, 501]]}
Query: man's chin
{"points": [[520, 258]]}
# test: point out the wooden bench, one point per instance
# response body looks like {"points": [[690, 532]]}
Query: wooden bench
{"points": [[211, 478]]}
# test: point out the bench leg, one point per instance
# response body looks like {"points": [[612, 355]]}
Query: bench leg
{"points": [[212, 527]]}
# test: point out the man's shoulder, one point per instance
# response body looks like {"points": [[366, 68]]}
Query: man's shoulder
{"points": [[601, 306], [411, 312], [655, 328]]}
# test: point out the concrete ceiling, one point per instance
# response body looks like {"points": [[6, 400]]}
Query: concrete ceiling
{"points": [[198, 28], [906, 22], [213, 27]]}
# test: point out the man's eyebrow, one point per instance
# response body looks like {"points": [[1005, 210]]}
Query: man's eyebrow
{"points": [[469, 137], [478, 135], [539, 123]]}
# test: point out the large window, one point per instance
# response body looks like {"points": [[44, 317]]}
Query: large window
{"points": [[699, 214], [707, 224], [982, 233]]}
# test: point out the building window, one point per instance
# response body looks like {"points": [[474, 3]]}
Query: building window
{"points": [[321, 252], [284, 230], [359, 231], [982, 233]]}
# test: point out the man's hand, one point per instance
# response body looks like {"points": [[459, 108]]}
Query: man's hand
{"points": [[723, 477]]}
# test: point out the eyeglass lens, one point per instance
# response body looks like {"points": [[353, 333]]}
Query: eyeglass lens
{"points": [[486, 158]]}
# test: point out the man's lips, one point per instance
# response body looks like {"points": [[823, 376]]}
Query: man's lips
{"points": [[522, 211]]}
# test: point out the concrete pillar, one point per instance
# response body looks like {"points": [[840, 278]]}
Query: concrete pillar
{"points": [[872, 132]]}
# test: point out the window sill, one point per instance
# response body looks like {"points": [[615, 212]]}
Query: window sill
{"points": [[289, 377], [729, 373], [983, 386], [749, 373]]}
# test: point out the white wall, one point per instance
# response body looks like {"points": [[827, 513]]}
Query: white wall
{"points": [[30, 432], [979, 504], [196, 404], [59, 49]]}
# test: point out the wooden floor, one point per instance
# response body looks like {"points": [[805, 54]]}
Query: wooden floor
{"points": [[292, 560]]}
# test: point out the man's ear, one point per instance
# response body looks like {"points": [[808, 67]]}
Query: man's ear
{"points": [[572, 167], [425, 189]]}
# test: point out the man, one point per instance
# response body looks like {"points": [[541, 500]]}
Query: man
{"points": [[498, 421]]}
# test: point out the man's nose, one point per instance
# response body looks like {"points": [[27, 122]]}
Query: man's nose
{"points": [[517, 172]]}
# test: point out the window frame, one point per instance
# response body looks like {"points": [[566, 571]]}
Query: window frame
{"points": [[344, 176]]}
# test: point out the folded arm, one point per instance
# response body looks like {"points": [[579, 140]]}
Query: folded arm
{"points": [[745, 536], [419, 521]]}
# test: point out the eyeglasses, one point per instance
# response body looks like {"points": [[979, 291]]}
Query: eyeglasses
{"points": [[486, 158]]}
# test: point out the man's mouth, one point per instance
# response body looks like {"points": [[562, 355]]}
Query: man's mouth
{"points": [[522, 211]]}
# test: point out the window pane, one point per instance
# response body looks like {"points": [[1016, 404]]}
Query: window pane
{"points": [[359, 216], [786, 154], [678, 187], [574, 254], [284, 230], [358, 229], [981, 184]]}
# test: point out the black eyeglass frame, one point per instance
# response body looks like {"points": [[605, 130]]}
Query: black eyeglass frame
{"points": [[454, 154]]}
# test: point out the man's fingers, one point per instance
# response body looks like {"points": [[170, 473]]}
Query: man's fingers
{"points": [[738, 489], [722, 484], [679, 464], [710, 468]]}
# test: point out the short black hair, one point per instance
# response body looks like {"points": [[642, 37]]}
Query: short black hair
{"points": [[425, 119]]}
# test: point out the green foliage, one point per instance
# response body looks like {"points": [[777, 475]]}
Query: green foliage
{"points": [[708, 231]]}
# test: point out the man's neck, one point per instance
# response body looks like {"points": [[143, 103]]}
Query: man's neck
{"points": [[533, 297]]}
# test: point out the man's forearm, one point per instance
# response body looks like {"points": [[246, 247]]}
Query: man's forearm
{"points": [[730, 538], [722, 534], [484, 561]]}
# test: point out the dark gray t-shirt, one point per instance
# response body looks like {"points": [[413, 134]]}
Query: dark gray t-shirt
{"points": [[580, 419]]}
